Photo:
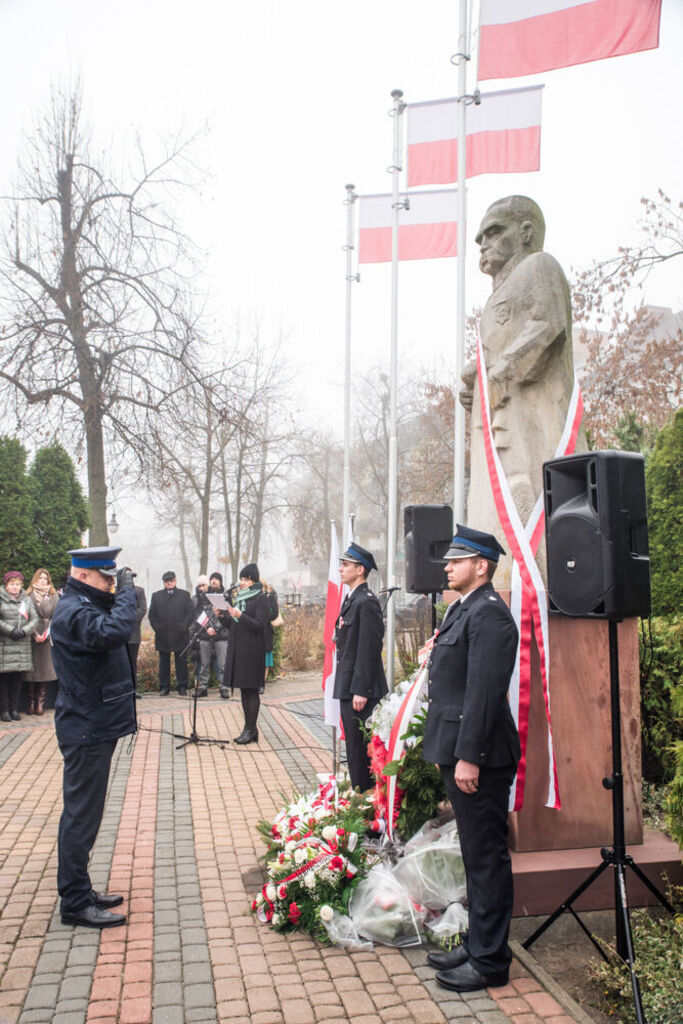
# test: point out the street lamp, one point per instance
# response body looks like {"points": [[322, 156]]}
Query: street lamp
{"points": [[113, 525]]}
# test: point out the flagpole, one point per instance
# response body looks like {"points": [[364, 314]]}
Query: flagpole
{"points": [[350, 278], [459, 412], [392, 511]]}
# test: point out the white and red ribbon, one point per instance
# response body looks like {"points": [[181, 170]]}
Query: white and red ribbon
{"points": [[528, 602], [400, 726]]}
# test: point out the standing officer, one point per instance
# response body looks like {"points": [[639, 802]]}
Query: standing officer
{"points": [[171, 613], [95, 706], [359, 682], [471, 735]]}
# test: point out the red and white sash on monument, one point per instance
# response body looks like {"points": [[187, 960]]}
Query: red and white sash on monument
{"points": [[528, 602]]}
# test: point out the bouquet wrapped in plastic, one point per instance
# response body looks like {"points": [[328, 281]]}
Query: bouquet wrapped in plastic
{"points": [[431, 868], [381, 910]]}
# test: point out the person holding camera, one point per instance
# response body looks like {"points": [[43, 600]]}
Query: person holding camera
{"points": [[95, 706]]}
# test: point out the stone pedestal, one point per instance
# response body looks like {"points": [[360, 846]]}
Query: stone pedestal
{"points": [[581, 721]]}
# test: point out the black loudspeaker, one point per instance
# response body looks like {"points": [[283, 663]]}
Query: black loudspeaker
{"points": [[428, 533], [596, 535]]}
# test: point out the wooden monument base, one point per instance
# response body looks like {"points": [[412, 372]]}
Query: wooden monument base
{"points": [[582, 733], [546, 878]]}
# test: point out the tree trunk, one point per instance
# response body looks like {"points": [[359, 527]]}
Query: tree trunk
{"points": [[183, 546], [97, 482]]}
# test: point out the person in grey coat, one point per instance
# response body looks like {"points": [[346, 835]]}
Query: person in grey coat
{"points": [[18, 620]]}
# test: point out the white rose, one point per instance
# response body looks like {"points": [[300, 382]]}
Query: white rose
{"points": [[300, 855], [326, 912], [329, 833], [352, 842], [270, 892], [275, 920], [321, 813], [309, 880]]}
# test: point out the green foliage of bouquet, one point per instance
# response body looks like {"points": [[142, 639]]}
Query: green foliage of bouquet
{"points": [[314, 858], [421, 781]]}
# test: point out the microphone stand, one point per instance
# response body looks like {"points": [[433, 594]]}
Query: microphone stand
{"points": [[194, 736]]}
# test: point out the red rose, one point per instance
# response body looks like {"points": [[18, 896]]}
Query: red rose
{"points": [[337, 863], [294, 913]]}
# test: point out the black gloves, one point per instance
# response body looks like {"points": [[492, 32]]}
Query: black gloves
{"points": [[17, 634], [124, 578]]}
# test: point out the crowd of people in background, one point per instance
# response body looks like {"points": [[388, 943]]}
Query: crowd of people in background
{"points": [[25, 617], [191, 627]]}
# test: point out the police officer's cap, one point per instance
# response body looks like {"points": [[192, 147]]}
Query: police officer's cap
{"points": [[355, 553], [170, 575], [468, 542], [102, 559]]}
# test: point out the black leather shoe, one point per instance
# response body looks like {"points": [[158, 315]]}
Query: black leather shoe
{"points": [[247, 736], [223, 692], [202, 692], [94, 917], [5, 717], [164, 693], [467, 978], [106, 900], [182, 691], [15, 716], [447, 959]]}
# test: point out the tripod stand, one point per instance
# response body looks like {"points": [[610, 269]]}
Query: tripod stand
{"points": [[614, 855], [194, 736]]}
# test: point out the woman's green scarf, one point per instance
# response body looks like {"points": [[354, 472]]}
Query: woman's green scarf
{"points": [[242, 596]]}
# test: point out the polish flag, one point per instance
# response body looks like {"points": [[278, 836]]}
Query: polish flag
{"points": [[524, 37], [503, 135], [427, 228], [334, 600]]}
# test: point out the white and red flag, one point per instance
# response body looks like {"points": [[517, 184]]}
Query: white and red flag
{"points": [[525, 37], [427, 227], [503, 136], [332, 607]]}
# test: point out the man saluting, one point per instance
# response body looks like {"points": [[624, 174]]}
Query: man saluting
{"points": [[359, 682], [95, 706], [471, 735]]}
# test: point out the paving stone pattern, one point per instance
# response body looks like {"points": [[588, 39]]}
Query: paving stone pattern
{"points": [[179, 841]]}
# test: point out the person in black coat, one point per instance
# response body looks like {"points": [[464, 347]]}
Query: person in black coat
{"points": [[136, 636], [171, 614], [471, 735], [359, 682], [248, 618], [95, 706]]}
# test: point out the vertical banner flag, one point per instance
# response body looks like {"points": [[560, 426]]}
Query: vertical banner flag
{"points": [[503, 136], [528, 602], [334, 599], [427, 227], [525, 37]]}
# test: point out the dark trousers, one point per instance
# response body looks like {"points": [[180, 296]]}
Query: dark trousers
{"points": [[357, 758], [86, 774], [483, 832], [10, 691], [133, 658], [180, 670]]}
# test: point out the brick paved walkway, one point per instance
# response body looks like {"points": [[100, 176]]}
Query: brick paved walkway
{"points": [[178, 839]]}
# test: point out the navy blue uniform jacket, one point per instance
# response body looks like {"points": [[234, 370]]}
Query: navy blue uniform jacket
{"points": [[469, 716], [96, 697], [359, 635]]}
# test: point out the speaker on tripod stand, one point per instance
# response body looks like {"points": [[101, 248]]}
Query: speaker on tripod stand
{"points": [[598, 568]]}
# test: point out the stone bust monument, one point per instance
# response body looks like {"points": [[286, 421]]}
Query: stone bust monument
{"points": [[526, 333]]}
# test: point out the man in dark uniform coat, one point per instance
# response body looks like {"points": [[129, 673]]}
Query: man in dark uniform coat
{"points": [[95, 706], [359, 682], [471, 735], [171, 614]]}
